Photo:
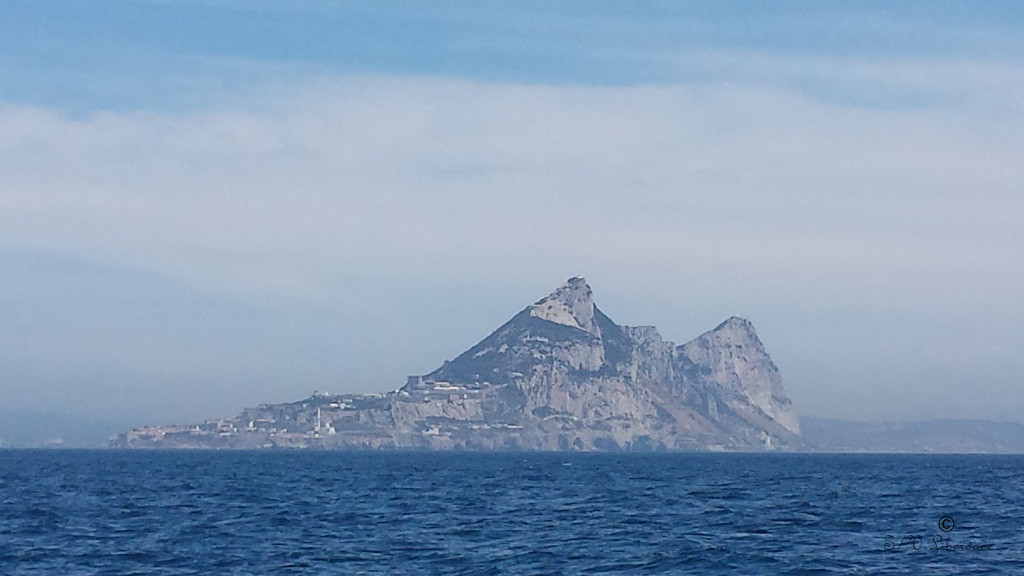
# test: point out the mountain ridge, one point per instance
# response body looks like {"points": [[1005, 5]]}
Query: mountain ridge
{"points": [[559, 375]]}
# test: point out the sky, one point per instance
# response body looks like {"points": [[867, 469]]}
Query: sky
{"points": [[206, 205]]}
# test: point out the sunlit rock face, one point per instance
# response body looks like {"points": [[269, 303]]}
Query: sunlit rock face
{"points": [[562, 375], [738, 365], [571, 305]]}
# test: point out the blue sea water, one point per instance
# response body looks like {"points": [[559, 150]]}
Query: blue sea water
{"points": [[248, 513]]}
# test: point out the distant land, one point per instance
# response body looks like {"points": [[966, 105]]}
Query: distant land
{"points": [[931, 436], [821, 434], [559, 375], [38, 429]]}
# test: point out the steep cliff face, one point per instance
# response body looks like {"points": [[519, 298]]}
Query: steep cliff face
{"points": [[571, 305], [732, 361], [560, 375]]}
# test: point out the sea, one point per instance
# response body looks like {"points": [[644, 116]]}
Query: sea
{"points": [[107, 512]]}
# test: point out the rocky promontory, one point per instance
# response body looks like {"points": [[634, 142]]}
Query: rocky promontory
{"points": [[560, 375]]}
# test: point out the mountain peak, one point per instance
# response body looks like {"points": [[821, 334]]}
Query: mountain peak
{"points": [[734, 330], [572, 304], [735, 323]]}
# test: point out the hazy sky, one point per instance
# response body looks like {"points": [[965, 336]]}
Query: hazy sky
{"points": [[206, 205]]}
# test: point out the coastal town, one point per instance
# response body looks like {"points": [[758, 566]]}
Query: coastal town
{"points": [[323, 420]]}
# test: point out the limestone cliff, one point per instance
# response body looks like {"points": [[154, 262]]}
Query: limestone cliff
{"points": [[560, 375], [563, 375]]}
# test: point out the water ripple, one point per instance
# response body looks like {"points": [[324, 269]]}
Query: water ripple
{"points": [[249, 514]]}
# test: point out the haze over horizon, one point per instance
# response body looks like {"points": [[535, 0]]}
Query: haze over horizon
{"points": [[206, 205]]}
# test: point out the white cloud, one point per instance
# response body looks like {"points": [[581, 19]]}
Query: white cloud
{"points": [[682, 203]]}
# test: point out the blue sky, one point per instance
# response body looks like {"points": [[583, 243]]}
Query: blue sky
{"points": [[206, 205], [87, 56]]}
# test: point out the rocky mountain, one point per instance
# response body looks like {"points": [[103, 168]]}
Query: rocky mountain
{"points": [[560, 375]]}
